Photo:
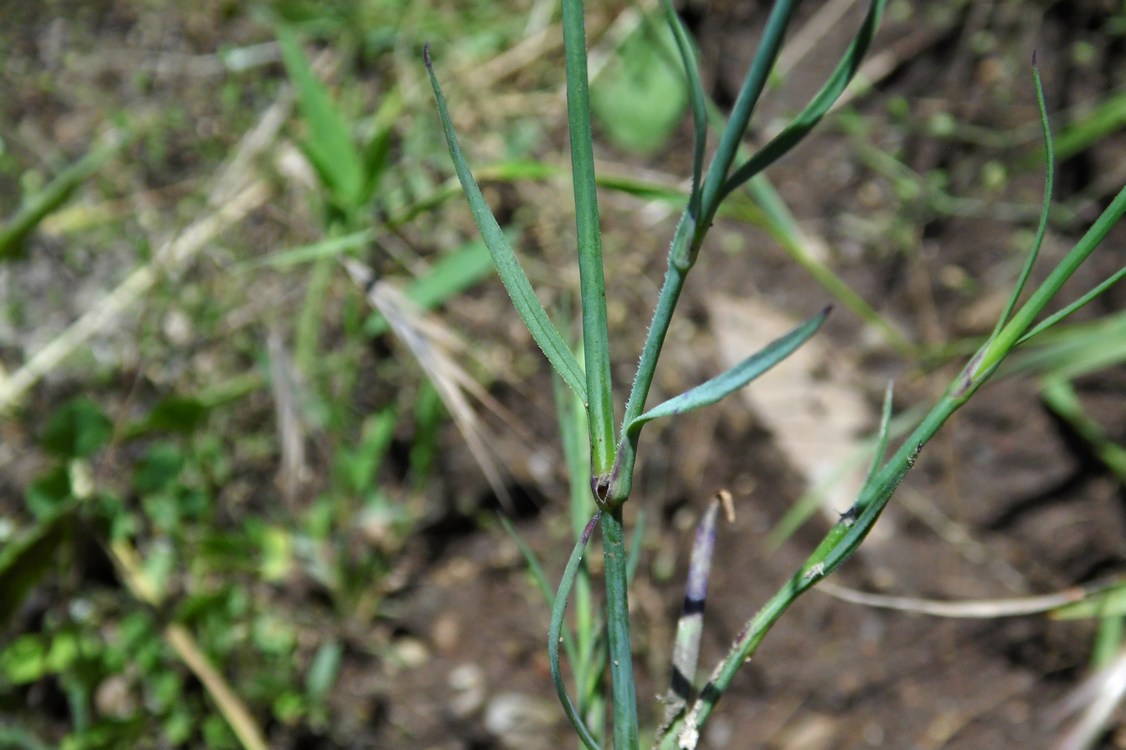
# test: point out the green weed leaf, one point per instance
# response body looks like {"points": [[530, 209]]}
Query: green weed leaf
{"points": [[641, 98], [329, 146], [77, 429]]}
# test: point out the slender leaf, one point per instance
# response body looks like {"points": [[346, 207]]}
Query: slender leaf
{"points": [[799, 127], [508, 267], [696, 96], [1071, 308], [1042, 227], [753, 84], [554, 632], [738, 376], [329, 146], [38, 206]]}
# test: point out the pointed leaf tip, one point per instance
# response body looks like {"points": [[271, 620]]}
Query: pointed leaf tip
{"points": [[426, 55]]}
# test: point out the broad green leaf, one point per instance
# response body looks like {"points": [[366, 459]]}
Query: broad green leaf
{"points": [[640, 98], [738, 376], [515, 281], [77, 429], [178, 414], [23, 562]]}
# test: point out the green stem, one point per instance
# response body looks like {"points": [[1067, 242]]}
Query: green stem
{"points": [[617, 619], [600, 406], [732, 136], [621, 479]]}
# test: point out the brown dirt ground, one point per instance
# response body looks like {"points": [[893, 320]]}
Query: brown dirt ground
{"points": [[1031, 510]]}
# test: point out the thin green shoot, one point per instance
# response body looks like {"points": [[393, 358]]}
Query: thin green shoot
{"points": [[554, 636], [515, 281]]}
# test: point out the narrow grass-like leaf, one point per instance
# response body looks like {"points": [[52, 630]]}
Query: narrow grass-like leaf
{"points": [[554, 635], [330, 146], [1108, 117], [588, 658], [738, 376], [1070, 309], [326, 248], [799, 127], [745, 102], [881, 437], [774, 216], [814, 497], [1020, 325], [511, 274], [1042, 227], [540, 579], [39, 205], [1074, 351], [453, 274], [1062, 399], [696, 97]]}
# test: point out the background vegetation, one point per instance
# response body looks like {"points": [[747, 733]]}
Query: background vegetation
{"points": [[247, 481]]}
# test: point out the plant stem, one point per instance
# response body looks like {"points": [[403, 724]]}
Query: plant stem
{"points": [[617, 619], [600, 402]]}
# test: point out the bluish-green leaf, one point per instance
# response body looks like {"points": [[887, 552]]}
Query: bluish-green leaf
{"points": [[800, 126], [738, 376], [515, 281]]}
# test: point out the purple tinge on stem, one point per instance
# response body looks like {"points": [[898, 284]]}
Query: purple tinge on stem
{"points": [[700, 566], [686, 649]]}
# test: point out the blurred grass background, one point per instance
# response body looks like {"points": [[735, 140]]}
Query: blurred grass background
{"points": [[219, 441]]}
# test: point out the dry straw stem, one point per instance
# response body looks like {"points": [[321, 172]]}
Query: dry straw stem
{"points": [[984, 609], [235, 192], [177, 636], [432, 346]]}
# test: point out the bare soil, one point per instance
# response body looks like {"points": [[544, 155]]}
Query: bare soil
{"points": [[1007, 501]]}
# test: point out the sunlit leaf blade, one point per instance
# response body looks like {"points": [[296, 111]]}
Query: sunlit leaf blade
{"points": [[738, 376], [511, 274], [800, 126], [330, 146]]}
